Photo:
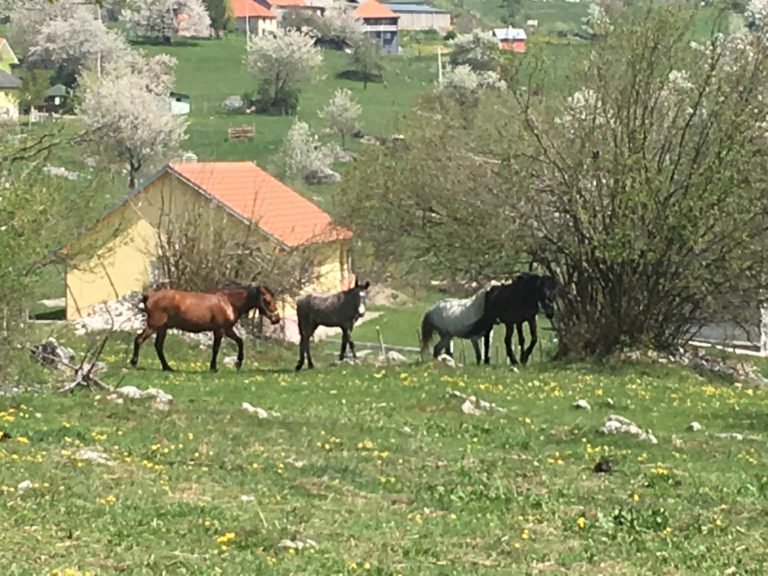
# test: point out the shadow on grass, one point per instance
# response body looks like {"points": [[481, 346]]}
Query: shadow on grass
{"points": [[357, 76], [177, 42]]}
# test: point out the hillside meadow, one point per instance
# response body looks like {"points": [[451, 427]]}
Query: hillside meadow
{"points": [[376, 470]]}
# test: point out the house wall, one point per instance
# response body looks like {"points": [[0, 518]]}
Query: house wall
{"points": [[115, 257], [512, 45], [9, 105], [257, 26], [424, 21], [383, 33]]}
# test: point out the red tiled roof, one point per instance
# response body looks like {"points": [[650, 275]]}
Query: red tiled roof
{"points": [[245, 8], [372, 9], [287, 3], [262, 199]]}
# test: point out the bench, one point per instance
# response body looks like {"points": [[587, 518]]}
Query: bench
{"points": [[240, 133]]}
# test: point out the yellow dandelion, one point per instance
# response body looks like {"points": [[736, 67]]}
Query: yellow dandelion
{"points": [[581, 522]]}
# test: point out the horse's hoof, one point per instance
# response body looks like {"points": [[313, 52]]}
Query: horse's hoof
{"points": [[214, 370], [167, 369], [298, 367]]}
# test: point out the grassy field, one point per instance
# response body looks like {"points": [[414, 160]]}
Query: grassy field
{"points": [[383, 472], [211, 70]]}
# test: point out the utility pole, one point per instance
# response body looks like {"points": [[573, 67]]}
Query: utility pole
{"points": [[247, 27], [98, 56], [440, 65]]}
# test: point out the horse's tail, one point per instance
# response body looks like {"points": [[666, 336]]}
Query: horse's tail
{"points": [[143, 304], [427, 330]]}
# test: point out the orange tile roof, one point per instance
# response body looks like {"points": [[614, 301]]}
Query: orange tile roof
{"points": [[262, 199], [286, 3], [244, 8], [372, 9]]}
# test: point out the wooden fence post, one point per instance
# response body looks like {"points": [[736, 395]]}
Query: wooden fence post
{"points": [[381, 344]]}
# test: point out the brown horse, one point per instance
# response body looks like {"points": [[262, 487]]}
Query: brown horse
{"points": [[214, 311]]}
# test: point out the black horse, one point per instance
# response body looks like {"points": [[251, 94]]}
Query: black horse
{"points": [[513, 304], [340, 309]]}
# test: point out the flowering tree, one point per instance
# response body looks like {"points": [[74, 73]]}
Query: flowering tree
{"points": [[129, 115], [477, 49], [338, 26], [596, 23], [28, 18], [78, 43], [464, 85], [164, 18], [341, 114], [282, 63]]}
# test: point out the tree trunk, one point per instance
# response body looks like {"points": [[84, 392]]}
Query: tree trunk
{"points": [[133, 170]]}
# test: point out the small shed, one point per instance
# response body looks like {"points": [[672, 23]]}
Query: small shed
{"points": [[180, 103], [55, 99], [511, 39]]}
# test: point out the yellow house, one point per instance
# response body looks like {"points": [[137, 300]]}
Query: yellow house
{"points": [[9, 84], [119, 254]]}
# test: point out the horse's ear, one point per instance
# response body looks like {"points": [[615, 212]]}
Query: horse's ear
{"points": [[357, 281], [366, 285]]}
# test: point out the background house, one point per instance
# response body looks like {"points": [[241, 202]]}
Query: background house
{"points": [[9, 84], [280, 6], [380, 25], [9, 99], [7, 56], [119, 254], [512, 39], [420, 17], [249, 15]]}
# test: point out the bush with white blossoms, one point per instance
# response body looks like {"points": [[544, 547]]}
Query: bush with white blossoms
{"points": [[477, 49], [303, 153], [164, 18], [464, 84], [596, 22]]}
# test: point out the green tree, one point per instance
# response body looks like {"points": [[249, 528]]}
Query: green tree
{"points": [[511, 10], [38, 213], [642, 191], [34, 84], [218, 12], [366, 62]]}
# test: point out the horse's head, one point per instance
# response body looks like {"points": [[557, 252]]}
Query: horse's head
{"points": [[262, 298], [359, 293], [547, 289]]}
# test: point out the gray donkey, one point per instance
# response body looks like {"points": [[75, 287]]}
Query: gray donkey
{"points": [[339, 310]]}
